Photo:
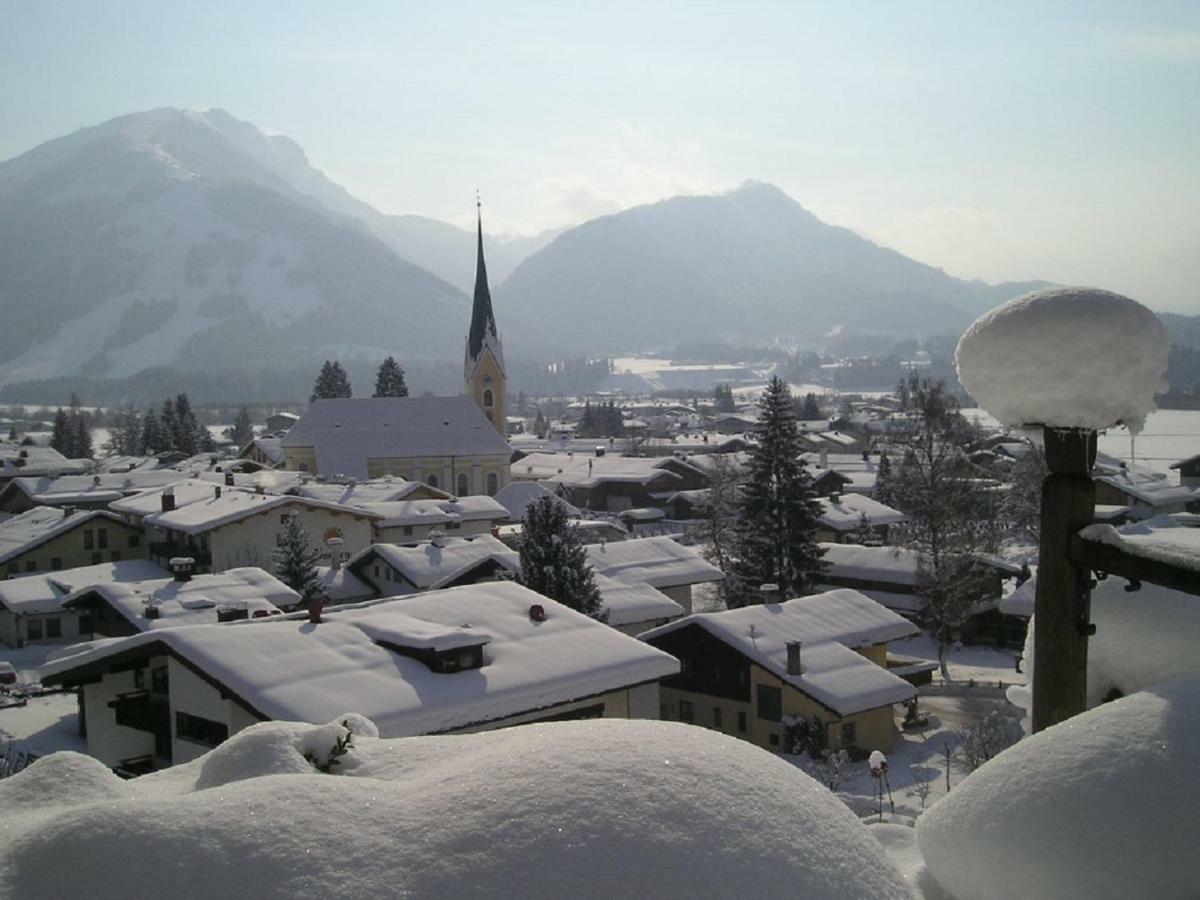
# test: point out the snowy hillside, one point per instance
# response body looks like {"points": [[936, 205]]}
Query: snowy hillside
{"points": [[172, 237]]}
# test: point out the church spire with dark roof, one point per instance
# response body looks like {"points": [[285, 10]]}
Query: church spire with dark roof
{"points": [[483, 320]]}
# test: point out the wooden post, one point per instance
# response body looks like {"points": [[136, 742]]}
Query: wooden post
{"points": [[1063, 603]]}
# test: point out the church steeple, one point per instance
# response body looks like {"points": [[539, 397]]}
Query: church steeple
{"points": [[483, 367], [483, 320]]}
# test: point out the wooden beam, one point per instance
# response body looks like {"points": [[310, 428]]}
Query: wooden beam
{"points": [[1063, 603], [1115, 561]]}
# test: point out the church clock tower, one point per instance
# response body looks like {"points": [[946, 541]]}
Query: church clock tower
{"points": [[483, 370]]}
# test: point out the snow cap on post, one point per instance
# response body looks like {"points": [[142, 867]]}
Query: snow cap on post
{"points": [[1067, 358]]}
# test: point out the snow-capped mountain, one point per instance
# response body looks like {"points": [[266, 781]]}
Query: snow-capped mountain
{"points": [[193, 239], [750, 264]]}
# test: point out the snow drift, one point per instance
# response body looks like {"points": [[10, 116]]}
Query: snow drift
{"points": [[1070, 357], [1142, 638], [1101, 805], [604, 808]]}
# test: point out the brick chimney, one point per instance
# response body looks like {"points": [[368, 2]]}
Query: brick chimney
{"points": [[793, 657], [168, 499], [229, 479]]}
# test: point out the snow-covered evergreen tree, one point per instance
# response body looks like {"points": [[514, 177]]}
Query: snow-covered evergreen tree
{"points": [[863, 533], [779, 515], [125, 436], [810, 410], [81, 439], [539, 424], [332, 382], [61, 438], [152, 439], [389, 382], [168, 429], [243, 427], [296, 560], [553, 560], [883, 481]]}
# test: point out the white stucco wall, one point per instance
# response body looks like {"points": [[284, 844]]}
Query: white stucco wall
{"points": [[252, 541], [106, 740], [193, 695]]}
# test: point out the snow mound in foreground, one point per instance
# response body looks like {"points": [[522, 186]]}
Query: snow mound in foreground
{"points": [[1102, 805], [604, 808], [1070, 357]]}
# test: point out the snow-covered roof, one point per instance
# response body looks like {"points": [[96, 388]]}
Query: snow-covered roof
{"points": [[885, 565], [45, 591], [1170, 539], [517, 495], [428, 565], [17, 460], [828, 625], [1179, 464], [34, 527], [905, 604], [661, 562], [354, 493], [269, 446], [1069, 357], [340, 585], [584, 471], [475, 508], [628, 604], [345, 433], [193, 602], [291, 670], [93, 488], [186, 491], [232, 506], [846, 512], [1154, 492]]}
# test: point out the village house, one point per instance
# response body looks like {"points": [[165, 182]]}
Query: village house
{"points": [[821, 660], [26, 460], [446, 442], [1145, 496], [31, 607], [353, 492], [891, 576], [461, 660], [46, 539], [120, 608], [281, 421], [410, 521], [844, 516], [395, 570], [234, 528], [611, 483], [82, 491], [661, 562], [266, 450], [1189, 471]]}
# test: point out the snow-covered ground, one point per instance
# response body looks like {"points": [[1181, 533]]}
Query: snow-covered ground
{"points": [[966, 662]]}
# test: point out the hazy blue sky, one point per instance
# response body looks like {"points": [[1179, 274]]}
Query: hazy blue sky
{"points": [[997, 140]]}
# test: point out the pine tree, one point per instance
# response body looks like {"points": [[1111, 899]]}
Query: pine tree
{"points": [[539, 425], [61, 438], [296, 560], [168, 429], [243, 427], [779, 515], [332, 382], [883, 481], [810, 410], [12, 433], [390, 380], [81, 443], [152, 441], [553, 560], [587, 424], [187, 436], [723, 395]]}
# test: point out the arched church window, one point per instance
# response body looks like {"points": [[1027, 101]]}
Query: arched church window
{"points": [[432, 481], [463, 487], [488, 399], [493, 484]]}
